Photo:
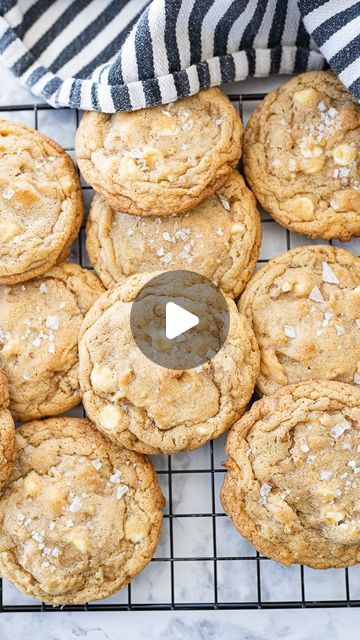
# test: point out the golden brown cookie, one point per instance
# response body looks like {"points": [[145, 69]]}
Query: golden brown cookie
{"points": [[39, 327], [304, 307], [146, 407], [161, 160], [220, 239], [292, 486], [7, 432], [41, 204], [80, 517], [302, 156]]}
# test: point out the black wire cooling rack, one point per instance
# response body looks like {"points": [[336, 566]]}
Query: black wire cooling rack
{"points": [[307, 584]]}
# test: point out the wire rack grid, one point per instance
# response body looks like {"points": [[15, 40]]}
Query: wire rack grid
{"points": [[201, 561]]}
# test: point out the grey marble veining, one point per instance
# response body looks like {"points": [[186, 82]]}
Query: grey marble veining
{"points": [[331, 624]]}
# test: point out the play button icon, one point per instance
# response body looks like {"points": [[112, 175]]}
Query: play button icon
{"points": [[179, 319]]}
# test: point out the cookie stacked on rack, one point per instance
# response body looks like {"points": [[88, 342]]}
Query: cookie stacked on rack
{"points": [[169, 195], [168, 198]]}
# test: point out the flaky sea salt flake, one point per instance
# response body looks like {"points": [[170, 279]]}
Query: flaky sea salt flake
{"points": [[115, 477], [328, 275], [325, 475], [52, 322], [75, 505], [121, 490], [264, 492], [289, 331], [316, 295], [8, 193], [167, 258]]}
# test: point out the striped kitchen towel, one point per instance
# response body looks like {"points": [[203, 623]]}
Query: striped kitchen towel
{"points": [[118, 55]]}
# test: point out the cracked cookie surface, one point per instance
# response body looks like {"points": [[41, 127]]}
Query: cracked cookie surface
{"points": [[161, 160], [304, 307], [41, 206], [40, 322], [292, 486], [220, 239], [7, 432], [146, 407], [79, 516], [302, 156]]}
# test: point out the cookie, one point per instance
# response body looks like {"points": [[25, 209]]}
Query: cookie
{"points": [[161, 160], [146, 407], [219, 239], [304, 307], [41, 204], [302, 156], [39, 326], [80, 516], [292, 486], [7, 432]]}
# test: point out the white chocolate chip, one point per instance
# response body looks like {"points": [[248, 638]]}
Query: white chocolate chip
{"points": [[302, 208], [344, 154], [8, 231], [135, 529], [102, 379], [305, 97], [237, 228], [110, 417]]}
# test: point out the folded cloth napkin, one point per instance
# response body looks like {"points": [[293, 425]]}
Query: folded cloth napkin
{"points": [[118, 55]]}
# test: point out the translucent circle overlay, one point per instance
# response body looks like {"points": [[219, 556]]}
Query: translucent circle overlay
{"points": [[194, 293]]}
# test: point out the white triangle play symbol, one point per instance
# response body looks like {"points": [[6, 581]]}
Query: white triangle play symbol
{"points": [[178, 320]]}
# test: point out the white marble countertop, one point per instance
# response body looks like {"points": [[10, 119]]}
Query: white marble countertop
{"points": [[307, 624]]}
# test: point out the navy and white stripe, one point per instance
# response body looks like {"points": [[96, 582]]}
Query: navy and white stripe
{"points": [[122, 55]]}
